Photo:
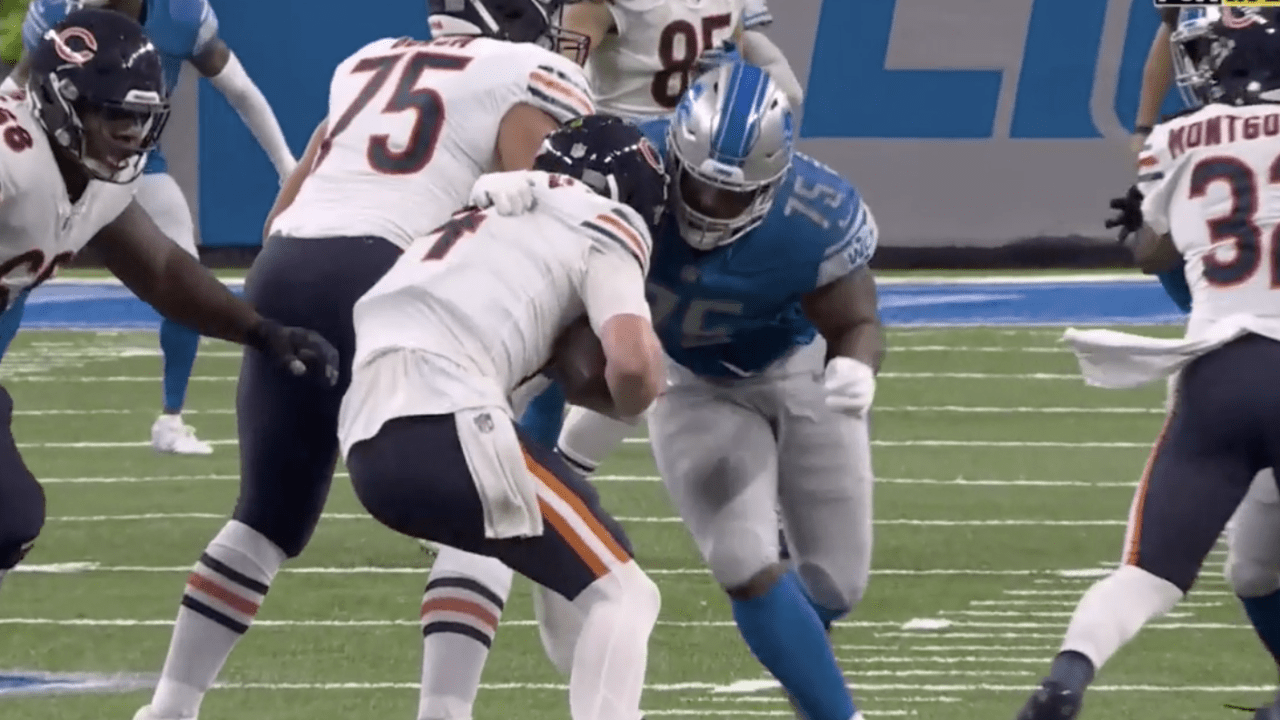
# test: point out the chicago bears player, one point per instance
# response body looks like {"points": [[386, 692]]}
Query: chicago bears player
{"points": [[742, 328], [1207, 198], [445, 337], [73, 144], [411, 125], [184, 31], [641, 54]]}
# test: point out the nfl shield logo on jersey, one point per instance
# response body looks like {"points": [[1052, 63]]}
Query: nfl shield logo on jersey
{"points": [[484, 423]]}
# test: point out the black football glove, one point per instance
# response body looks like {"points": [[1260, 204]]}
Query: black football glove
{"points": [[298, 350], [1128, 215]]}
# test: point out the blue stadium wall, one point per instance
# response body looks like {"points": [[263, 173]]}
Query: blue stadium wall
{"points": [[973, 125]]}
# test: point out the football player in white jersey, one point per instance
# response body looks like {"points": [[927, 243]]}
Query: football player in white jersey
{"points": [[448, 333], [641, 54], [184, 32], [411, 125], [1208, 196], [72, 146]]}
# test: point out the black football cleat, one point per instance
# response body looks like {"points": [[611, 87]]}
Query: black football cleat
{"points": [[1051, 701]]}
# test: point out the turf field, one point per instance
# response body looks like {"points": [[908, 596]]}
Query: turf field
{"points": [[1003, 483]]}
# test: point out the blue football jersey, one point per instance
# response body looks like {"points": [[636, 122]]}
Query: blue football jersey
{"points": [[735, 310], [180, 30]]}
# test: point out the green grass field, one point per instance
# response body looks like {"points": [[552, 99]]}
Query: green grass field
{"points": [[1003, 487]]}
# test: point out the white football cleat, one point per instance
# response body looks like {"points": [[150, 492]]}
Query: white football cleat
{"points": [[146, 713], [170, 435]]}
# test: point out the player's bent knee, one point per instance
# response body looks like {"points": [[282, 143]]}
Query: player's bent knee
{"points": [[759, 584], [1249, 579], [739, 553], [837, 594]]}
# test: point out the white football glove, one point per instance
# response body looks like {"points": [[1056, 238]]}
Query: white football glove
{"points": [[850, 385], [510, 193]]}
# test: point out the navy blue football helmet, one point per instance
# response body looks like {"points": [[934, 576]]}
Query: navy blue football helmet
{"points": [[612, 157], [97, 88], [1228, 55], [529, 21]]}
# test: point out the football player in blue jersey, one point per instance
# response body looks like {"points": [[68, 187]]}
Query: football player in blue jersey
{"points": [[763, 301], [185, 31]]}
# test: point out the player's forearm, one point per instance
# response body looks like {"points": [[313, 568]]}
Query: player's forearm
{"points": [[863, 342], [182, 290], [1157, 77], [636, 377], [234, 83], [759, 50]]}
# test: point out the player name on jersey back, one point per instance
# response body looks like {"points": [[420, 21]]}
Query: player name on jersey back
{"points": [[1220, 129]]}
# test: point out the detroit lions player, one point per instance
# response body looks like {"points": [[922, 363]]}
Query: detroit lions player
{"points": [[72, 145], [760, 255], [184, 31]]}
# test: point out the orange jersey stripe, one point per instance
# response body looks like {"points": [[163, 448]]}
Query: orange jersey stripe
{"points": [[629, 233], [562, 528], [571, 498], [1147, 161], [466, 607], [562, 91], [1135, 522]]}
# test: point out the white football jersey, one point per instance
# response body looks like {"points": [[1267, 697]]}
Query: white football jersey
{"points": [[412, 124], [478, 304], [1212, 179], [643, 69], [40, 228]]}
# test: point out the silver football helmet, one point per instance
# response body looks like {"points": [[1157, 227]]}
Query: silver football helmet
{"points": [[729, 145]]}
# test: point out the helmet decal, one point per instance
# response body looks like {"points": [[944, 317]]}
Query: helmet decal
{"points": [[76, 45]]}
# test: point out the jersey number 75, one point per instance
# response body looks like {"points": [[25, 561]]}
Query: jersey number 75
{"points": [[425, 103]]}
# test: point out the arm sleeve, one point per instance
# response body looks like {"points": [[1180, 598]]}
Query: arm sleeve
{"points": [[558, 86], [853, 249], [239, 89], [1157, 177], [620, 231], [613, 285]]}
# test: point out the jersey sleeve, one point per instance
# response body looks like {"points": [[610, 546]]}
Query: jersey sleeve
{"points": [[188, 28], [41, 15], [613, 285], [755, 14], [853, 249], [558, 86], [1157, 177], [619, 231]]}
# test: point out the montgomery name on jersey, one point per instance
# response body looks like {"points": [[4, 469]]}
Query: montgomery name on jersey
{"points": [[180, 30], [471, 349], [642, 69], [1211, 178], [388, 119], [41, 227], [735, 310]]}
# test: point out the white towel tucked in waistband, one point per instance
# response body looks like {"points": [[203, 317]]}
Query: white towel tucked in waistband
{"points": [[508, 490], [1113, 359]]}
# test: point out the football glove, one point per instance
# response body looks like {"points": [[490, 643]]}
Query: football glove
{"points": [[1128, 215], [510, 193], [298, 350], [850, 385]]}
